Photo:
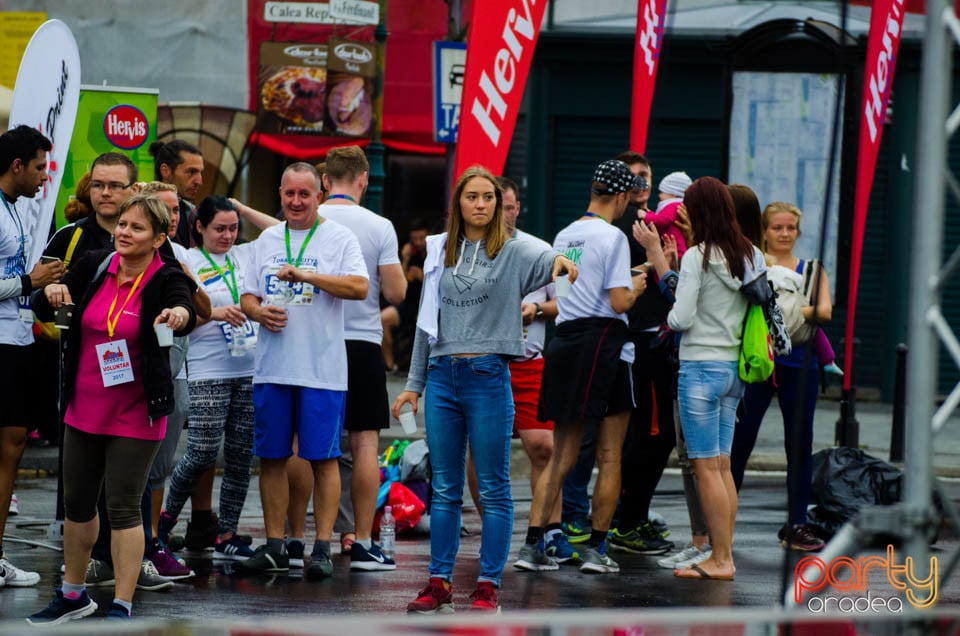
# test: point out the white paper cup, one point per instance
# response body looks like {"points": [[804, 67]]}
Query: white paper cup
{"points": [[164, 334], [562, 286], [409, 422]]}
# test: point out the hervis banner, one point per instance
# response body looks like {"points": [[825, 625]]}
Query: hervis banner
{"points": [[110, 119], [45, 97]]}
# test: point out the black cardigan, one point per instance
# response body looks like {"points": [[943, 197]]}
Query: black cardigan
{"points": [[168, 287]]}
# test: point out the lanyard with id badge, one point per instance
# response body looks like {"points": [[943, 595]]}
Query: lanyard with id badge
{"points": [[242, 339], [25, 310], [114, 356], [283, 292]]}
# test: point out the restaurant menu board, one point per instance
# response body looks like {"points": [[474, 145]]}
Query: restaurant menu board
{"points": [[293, 88], [351, 67]]}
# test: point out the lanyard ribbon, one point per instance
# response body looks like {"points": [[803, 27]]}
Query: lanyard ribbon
{"points": [[112, 319], [12, 209], [286, 236], [231, 280]]}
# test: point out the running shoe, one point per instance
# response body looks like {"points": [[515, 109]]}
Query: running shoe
{"points": [[484, 598], [60, 610], [436, 598], [150, 580], [800, 538], [13, 576], [596, 562], [232, 549], [118, 612], [690, 555], [295, 550], [99, 573], [320, 564], [372, 560], [264, 560], [533, 559], [168, 566], [644, 539], [560, 550], [578, 530]]}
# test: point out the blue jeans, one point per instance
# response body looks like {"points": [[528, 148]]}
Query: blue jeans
{"points": [[708, 393], [469, 399]]}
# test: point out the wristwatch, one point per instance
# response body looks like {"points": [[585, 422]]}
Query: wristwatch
{"points": [[539, 313]]}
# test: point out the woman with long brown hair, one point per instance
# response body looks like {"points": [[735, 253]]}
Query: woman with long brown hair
{"points": [[465, 335], [709, 312]]}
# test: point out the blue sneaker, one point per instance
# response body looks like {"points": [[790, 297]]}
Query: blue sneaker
{"points": [[118, 612], [560, 550], [60, 610], [233, 549], [578, 530], [372, 560]]}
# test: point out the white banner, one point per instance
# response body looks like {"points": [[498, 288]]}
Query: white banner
{"points": [[45, 97]]}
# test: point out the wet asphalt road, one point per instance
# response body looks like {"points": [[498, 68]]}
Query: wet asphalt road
{"points": [[214, 593]]}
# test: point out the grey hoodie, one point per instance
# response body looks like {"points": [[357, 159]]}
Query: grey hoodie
{"points": [[479, 303], [710, 306]]}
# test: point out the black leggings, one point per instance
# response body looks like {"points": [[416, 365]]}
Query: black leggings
{"points": [[120, 465]]}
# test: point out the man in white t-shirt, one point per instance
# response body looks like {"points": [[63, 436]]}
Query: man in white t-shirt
{"points": [[586, 377], [299, 274], [367, 411]]}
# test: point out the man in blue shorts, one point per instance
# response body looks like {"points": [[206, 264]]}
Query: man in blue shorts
{"points": [[300, 273]]}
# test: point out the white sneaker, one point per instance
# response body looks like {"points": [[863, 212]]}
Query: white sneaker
{"points": [[14, 506], [690, 555], [15, 577]]}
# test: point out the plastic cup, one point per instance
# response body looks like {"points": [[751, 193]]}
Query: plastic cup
{"points": [[61, 319], [409, 422], [562, 286], [164, 334]]}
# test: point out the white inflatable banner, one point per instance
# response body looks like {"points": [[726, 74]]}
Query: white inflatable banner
{"points": [[45, 97]]}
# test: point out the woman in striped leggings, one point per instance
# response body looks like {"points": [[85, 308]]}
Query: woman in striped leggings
{"points": [[220, 374]]}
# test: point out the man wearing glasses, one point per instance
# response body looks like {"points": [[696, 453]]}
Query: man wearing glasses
{"points": [[113, 181]]}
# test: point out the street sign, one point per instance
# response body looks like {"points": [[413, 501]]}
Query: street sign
{"points": [[449, 62], [359, 11]]}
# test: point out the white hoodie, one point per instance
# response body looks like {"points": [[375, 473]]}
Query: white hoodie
{"points": [[710, 308]]}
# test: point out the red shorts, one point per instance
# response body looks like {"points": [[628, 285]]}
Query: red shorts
{"points": [[525, 378]]}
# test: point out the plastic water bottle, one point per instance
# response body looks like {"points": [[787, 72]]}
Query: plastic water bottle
{"points": [[388, 532]]}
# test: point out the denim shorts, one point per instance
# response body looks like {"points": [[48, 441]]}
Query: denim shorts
{"points": [[708, 393]]}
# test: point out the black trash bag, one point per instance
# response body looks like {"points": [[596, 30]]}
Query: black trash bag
{"points": [[846, 480]]}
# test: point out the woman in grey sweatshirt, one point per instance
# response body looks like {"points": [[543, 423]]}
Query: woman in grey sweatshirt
{"points": [[468, 327]]}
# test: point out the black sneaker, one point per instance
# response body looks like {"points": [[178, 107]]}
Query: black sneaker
{"points": [[61, 610], [199, 538], [320, 564], [644, 539], [118, 612], [295, 550], [800, 538], [264, 560]]}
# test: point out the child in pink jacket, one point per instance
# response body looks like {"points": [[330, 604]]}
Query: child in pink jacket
{"points": [[671, 190]]}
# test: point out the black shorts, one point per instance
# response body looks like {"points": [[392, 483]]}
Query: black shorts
{"points": [[15, 388], [367, 407]]}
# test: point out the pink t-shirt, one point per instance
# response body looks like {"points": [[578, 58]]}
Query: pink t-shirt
{"points": [[119, 410]]}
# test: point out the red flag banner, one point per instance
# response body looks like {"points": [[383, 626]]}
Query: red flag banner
{"points": [[646, 57], [886, 23], [503, 34]]}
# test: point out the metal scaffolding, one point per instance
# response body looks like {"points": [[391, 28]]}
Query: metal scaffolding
{"points": [[914, 519]]}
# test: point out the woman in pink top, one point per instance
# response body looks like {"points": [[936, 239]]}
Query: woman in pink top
{"points": [[119, 391]]}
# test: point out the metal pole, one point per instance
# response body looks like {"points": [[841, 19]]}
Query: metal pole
{"points": [[374, 196], [897, 426], [846, 431], [921, 381], [455, 25]]}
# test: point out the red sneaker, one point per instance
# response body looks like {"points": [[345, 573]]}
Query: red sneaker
{"points": [[436, 598], [484, 598]]}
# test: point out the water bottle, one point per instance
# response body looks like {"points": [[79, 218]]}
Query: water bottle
{"points": [[388, 532]]}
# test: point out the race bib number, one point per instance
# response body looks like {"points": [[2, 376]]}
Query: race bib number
{"points": [[26, 311], [243, 337], [114, 360], [281, 292]]}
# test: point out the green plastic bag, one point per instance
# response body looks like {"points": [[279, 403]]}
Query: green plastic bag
{"points": [[756, 349]]}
